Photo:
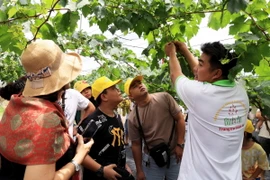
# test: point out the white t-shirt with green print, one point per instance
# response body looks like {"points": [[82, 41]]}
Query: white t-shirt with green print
{"points": [[216, 120]]}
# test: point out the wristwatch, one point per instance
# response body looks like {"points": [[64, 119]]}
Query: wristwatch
{"points": [[181, 145], [100, 172], [77, 166]]}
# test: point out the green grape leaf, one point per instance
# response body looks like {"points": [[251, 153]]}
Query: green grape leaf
{"points": [[103, 25], [250, 58], [3, 16], [219, 20], [86, 10], [63, 2], [240, 25], [12, 11], [48, 32], [236, 5], [263, 70]]}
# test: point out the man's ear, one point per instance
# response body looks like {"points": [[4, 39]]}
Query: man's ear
{"points": [[217, 74], [103, 97]]}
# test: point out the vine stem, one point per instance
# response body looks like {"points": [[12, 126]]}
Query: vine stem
{"points": [[18, 18], [34, 16], [47, 19], [259, 27]]}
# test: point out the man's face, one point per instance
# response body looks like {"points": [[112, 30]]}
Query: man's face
{"points": [[113, 94], [203, 71], [137, 89]]}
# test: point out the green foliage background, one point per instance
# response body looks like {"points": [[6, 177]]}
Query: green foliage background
{"points": [[156, 21]]}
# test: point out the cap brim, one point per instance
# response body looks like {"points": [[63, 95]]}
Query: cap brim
{"points": [[137, 78], [84, 87], [113, 83], [128, 83], [69, 69], [109, 85]]}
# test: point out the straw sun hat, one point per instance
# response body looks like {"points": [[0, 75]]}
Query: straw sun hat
{"points": [[48, 68]]}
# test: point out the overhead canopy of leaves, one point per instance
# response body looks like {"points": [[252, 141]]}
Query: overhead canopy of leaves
{"points": [[156, 21]]}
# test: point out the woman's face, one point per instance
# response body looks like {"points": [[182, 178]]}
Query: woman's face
{"points": [[87, 92]]}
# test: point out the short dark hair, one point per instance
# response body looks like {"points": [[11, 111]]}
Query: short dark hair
{"points": [[249, 135], [11, 88], [98, 101], [217, 53]]}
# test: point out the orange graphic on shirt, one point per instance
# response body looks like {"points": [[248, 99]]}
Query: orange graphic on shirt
{"points": [[117, 135]]}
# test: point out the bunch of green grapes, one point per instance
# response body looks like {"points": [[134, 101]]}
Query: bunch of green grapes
{"points": [[125, 106]]}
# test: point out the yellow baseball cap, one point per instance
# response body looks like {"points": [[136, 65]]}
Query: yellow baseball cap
{"points": [[129, 81], [101, 84], [249, 126], [81, 85]]}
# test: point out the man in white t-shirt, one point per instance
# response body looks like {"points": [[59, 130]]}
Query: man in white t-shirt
{"points": [[217, 115], [74, 101]]}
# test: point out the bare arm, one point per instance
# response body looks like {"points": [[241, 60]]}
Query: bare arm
{"points": [[47, 171], [261, 120], [175, 68], [180, 127], [259, 125], [180, 130], [90, 164], [137, 155], [182, 48], [87, 111], [257, 172]]}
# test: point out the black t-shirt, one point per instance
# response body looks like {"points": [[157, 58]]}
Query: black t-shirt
{"points": [[109, 142], [93, 101]]}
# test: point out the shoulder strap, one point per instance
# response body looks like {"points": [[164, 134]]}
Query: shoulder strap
{"points": [[141, 129]]}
